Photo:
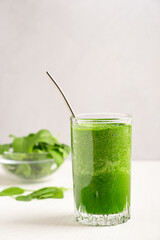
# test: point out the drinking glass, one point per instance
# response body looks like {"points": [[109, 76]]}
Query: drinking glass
{"points": [[101, 163]]}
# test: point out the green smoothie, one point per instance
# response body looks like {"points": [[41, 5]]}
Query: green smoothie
{"points": [[101, 158]]}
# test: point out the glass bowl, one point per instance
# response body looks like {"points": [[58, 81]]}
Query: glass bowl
{"points": [[28, 166]]}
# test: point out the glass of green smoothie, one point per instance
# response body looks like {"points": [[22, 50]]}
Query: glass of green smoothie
{"points": [[101, 161]]}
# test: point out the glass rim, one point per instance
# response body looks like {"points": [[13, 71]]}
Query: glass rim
{"points": [[98, 116], [25, 153], [19, 162]]}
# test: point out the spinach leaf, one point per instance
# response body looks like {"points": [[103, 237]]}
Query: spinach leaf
{"points": [[5, 147], [23, 198], [23, 170], [65, 148], [12, 191], [40, 142], [49, 192], [56, 156], [43, 136], [42, 193], [26, 144], [21, 144]]}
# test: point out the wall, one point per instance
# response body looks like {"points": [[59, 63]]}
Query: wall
{"points": [[104, 54]]}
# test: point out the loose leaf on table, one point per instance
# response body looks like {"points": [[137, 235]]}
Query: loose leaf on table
{"points": [[48, 192], [12, 191], [23, 198], [42, 193]]}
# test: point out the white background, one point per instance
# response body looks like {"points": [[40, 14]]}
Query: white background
{"points": [[104, 54]]}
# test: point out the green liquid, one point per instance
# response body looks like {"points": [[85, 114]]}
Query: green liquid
{"points": [[101, 159]]}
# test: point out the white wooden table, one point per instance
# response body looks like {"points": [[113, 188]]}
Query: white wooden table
{"points": [[54, 218]]}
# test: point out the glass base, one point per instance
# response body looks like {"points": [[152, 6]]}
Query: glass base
{"points": [[103, 220]]}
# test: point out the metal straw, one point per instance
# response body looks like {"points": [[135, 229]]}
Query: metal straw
{"points": [[61, 94]]}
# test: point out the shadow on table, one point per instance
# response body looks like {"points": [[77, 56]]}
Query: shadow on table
{"points": [[59, 220]]}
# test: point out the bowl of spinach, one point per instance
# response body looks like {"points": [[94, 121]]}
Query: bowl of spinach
{"points": [[33, 157]]}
